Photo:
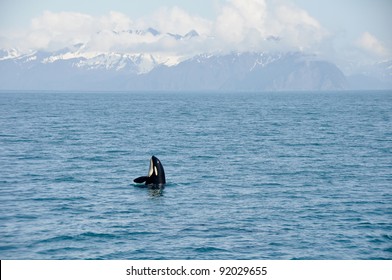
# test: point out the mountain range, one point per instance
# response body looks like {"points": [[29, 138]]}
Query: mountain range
{"points": [[76, 68]]}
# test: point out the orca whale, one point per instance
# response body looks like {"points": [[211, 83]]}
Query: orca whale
{"points": [[156, 174]]}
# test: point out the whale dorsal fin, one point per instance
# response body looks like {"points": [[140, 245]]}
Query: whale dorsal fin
{"points": [[141, 179]]}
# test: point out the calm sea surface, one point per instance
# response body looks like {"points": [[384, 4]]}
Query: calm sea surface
{"points": [[250, 176]]}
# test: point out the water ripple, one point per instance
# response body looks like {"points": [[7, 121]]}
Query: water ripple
{"points": [[250, 176]]}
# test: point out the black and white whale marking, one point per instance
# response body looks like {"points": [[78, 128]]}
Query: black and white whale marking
{"points": [[156, 174]]}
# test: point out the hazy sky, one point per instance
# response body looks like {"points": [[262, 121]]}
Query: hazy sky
{"points": [[345, 31]]}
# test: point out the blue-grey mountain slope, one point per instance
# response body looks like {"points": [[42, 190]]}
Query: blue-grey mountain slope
{"points": [[112, 71], [247, 72]]}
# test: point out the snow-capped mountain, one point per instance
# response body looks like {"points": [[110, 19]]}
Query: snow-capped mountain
{"points": [[137, 63], [80, 68], [76, 70], [8, 54], [81, 56]]}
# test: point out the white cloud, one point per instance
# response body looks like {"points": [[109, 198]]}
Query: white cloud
{"points": [[237, 18], [297, 27], [240, 25], [250, 23], [177, 21], [115, 21], [52, 31], [372, 45]]}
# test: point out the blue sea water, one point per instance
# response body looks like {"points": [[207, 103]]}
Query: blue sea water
{"points": [[250, 175]]}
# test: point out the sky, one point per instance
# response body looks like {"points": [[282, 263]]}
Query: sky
{"points": [[343, 31]]}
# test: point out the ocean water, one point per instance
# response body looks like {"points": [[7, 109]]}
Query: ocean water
{"points": [[250, 175]]}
